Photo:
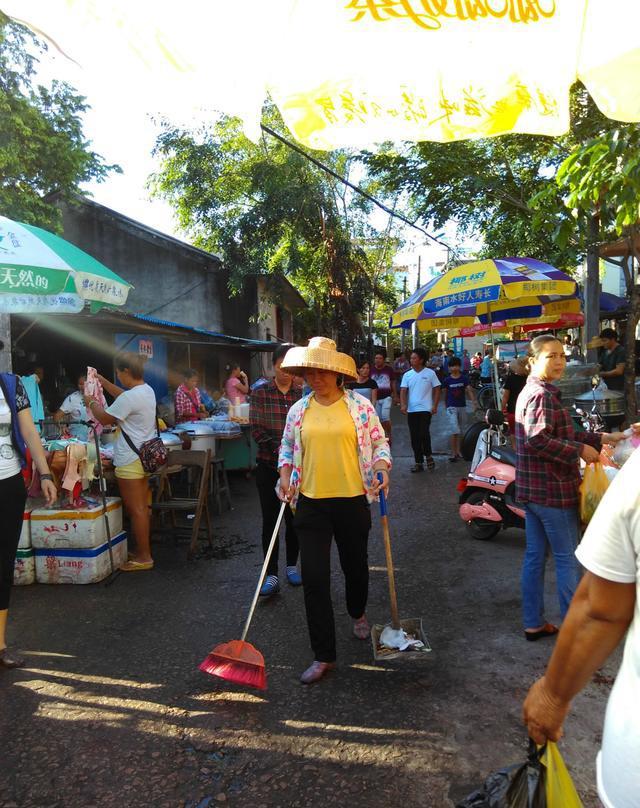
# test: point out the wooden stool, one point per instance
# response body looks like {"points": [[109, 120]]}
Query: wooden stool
{"points": [[219, 483]]}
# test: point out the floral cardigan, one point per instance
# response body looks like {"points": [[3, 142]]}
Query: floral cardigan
{"points": [[372, 441]]}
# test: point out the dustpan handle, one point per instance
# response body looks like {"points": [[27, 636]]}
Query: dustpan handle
{"points": [[395, 617], [267, 557]]}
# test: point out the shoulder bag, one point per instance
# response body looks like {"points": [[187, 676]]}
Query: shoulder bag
{"points": [[152, 453]]}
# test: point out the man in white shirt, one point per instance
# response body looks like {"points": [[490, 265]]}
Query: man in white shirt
{"points": [[73, 409], [419, 398], [605, 606]]}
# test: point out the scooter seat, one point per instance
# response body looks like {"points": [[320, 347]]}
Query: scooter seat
{"points": [[504, 454]]}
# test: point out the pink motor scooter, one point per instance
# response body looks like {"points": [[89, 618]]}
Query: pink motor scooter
{"points": [[487, 496]]}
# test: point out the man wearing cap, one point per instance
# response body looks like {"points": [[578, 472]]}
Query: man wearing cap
{"points": [[333, 449], [612, 360]]}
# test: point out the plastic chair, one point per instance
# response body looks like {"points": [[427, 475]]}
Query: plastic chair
{"points": [[192, 459]]}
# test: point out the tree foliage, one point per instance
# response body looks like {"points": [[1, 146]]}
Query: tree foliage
{"points": [[268, 209], [42, 147], [485, 186]]}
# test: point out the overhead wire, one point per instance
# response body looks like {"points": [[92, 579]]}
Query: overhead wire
{"points": [[355, 187]]}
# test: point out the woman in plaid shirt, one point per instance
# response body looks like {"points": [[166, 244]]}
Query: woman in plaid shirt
{"points": [[547, 482]]}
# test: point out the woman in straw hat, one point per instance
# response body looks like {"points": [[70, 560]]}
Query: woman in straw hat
{"points": [[332, 448]]}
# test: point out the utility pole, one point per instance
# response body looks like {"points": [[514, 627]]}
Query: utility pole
{"points": [[404, 297], [5, 343], [414, 328]]}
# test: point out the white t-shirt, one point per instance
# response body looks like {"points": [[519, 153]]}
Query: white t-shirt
{"points": [[611, 549], [74, 407], [420, 387], [135, 410], [9, 459]]}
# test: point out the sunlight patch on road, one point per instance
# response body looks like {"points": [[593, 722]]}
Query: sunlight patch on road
{"points": [[101, 680]]}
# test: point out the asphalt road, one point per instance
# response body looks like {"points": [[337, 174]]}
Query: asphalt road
{"points": [[111, 709]]}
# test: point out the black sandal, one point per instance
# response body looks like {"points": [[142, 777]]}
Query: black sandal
{"points": [[431, 463], [417, 467]]}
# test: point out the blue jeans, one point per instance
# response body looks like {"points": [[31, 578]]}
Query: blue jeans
{"points": [[557, 527]]}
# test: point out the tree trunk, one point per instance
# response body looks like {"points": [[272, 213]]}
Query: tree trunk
{"points": [[592, 288]]}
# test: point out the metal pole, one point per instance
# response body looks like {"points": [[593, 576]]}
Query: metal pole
{"points": [[494, 363], [414, 329], [592, 289]]}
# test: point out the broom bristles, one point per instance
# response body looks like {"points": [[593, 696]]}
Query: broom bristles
{"points": [[240, 673]]}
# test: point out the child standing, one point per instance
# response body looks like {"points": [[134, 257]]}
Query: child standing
{"points": [[457, 386]]}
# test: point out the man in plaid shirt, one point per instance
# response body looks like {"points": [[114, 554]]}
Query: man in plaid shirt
{"points": [[547, 482], [269, 407]]}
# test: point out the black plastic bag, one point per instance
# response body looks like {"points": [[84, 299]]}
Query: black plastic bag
{"points": [[518, 786]]}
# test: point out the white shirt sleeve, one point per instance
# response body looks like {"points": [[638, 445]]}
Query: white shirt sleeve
{"points": [[435, 381], [611, 544], [67, 405], [405, 378], [122, 406]]}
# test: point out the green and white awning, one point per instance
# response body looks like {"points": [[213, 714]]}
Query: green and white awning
{"points": [[41, 272]]}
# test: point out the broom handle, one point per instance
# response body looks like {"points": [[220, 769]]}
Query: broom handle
{"points": [[395, 618], [267, 557]]}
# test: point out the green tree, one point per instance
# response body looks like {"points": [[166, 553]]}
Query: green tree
{"points": [[599, 183], [42, 147], [485, 185], [268, 209]]}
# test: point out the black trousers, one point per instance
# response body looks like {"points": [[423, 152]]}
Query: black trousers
{"points": [[13, 496], [419, 424], [266, 479], [318, 521]]}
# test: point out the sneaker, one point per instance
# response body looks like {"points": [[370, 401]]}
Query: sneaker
{"points": [[293, 576], [416, 467], [361, 628], [271, 586], [316, 671]]}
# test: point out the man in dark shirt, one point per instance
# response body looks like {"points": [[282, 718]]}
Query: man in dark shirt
{"points": [[269, 407], [612, 360]]}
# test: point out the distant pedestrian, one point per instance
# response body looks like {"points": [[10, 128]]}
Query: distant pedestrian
{"points": [[485, 368], [419, 397], [476, 362], [466, 361], [458, 388], [512, 387], [236, 385], [383, 375], [400, 366], [364, 384], [269, 407]]}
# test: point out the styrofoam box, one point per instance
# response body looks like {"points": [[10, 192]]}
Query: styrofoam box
{"points": [[72, 565], [24, 570], [69, 528], [25, 533]]}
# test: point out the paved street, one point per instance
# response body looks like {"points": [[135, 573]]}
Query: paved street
{"points": [[111, 709]]}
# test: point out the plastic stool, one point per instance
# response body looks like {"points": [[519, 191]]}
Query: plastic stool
{"points": [[219, 483]]}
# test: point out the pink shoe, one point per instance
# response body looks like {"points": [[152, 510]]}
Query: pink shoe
{"points": [[316, 671], [361, 628]]}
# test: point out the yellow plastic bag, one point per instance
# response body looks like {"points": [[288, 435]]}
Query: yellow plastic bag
{"points": [[559, 789], [594, 484]]}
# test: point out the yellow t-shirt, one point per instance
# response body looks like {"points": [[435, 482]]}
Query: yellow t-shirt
{"points": [[330, 465]]}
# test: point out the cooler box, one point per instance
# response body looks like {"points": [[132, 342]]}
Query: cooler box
{"points": [[71, 528], [67, 565], [25, 533], [24, 570]]}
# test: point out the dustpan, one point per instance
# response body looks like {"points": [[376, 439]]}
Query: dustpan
{"points": [[411, 626]]}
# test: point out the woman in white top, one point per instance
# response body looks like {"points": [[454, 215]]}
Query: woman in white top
{"points": [[17, 432], [73, 408], [134, 411]]}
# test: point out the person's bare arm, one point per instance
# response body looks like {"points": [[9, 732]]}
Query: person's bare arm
{"points": [[110, 387], [32, 439], [617, 371], [403, 399], [98, 413], [436, 399], [598, 618], [505, 399]]}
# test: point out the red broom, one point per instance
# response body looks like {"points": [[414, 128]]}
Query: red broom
{"points": [[238, 661]]}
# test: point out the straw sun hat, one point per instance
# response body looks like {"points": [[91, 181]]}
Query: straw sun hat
{"points": [[321, 353]]}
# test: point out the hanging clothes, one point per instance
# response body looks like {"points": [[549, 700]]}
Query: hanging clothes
{"points": [[93, 388], [32, 388]]}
